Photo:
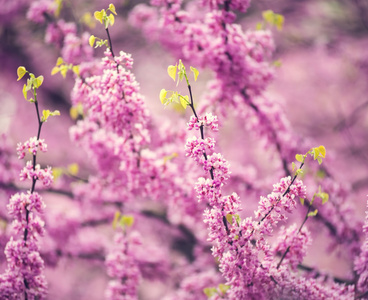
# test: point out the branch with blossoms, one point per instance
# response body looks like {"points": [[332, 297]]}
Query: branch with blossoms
{"points": [[239, 244], [24, 278], [240, 61]]}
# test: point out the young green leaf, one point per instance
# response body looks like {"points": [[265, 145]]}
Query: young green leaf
{"points": [[302, 201], [99, 15], [313, 213], [181, 75], [91, 40], [111, 19], [184, 101], [237, 218], [195, 73], [112, 8], [293, 166], [73, 169], [273, 19], [324, 197], [64, 70], [259, 26], [229, 218], [38, 81], [57, 172], [127, 221], [171, 70], [210, 291], [55, 70], [59, 61], [116, 219], [75, 69], [299, 172], [25, 90], [47, 113], [163, 94], [322, 151], [315, 152], [223, 288], [299, 157], [21, 71]]}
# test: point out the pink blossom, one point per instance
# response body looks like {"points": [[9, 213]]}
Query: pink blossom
{"points": [[39, 9]]}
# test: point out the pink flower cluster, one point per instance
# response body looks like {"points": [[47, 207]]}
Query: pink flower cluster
{"points": [[361, 261], [295, 242], [24, 274], [39, 9], [31, 146], [272, 208], [122, 266], [195, 148], [30, 172], [208, 120], [247, 261]]}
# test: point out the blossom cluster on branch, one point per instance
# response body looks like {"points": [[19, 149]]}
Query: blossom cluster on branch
{"points": [[155, 206]]}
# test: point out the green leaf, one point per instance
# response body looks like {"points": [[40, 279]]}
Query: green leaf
{"points": [[237, 218], [195, 73], [184, 101], [57, 172], [171, 70], [229, 218], [302, 201], [73, 169], [116, 218], [127, 221], [299, 157], [111, 20], [259, 26], [322, 151], [324, 197], [55, 70], [47, 113], [277, 63], [273, 19], [112, 8], [25, 90], [59, 4], [59, 61], [319, 160], [163, 94], [99, 15], [91, 40], [223, 288], [75, 69], [38, 81], [315, 153], [209, 292], [279, 21], [299, 172], [21, 71], [63, 70], [293, 166], [174, 98], [181, 75], [181, 66], [313, 213]]}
